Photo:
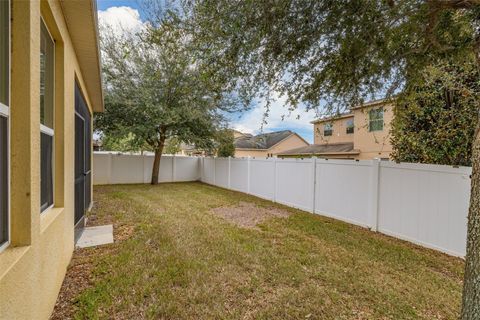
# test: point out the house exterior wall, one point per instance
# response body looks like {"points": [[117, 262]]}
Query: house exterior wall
{"points": [[371, 145], [374, 144], [239, 153], [291, 142], [32, 268], [339, 134]]}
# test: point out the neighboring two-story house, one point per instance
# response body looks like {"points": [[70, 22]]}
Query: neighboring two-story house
{"points": [[266, 144], [362, 133]]}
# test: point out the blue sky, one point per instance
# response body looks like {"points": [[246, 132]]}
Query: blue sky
{"points": [[129, 14]]}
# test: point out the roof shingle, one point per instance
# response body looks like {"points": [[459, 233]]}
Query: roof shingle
{"points": [[331, 148], [262, 141]]}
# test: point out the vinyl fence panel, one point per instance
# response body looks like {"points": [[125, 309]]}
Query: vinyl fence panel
{"points": [[342, 190], [262, 178], [239, 175], [186, 168], [425, 204], [221, 172], [166, 169], [208, 175], [294, 183], [126, 168], [102, 168]]}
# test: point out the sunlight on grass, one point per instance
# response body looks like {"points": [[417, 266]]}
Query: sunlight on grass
{"points": [[184, 262]]}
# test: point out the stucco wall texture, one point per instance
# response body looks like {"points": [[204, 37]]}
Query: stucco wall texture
{"points": [[32, 268]]}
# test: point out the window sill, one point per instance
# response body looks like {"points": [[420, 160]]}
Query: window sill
{"points": [[9, 257], [48, 216]]}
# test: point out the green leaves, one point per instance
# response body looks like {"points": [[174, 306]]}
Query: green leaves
{"points": [[155, 89], [435, 121], [344, 52], [225, 144]]}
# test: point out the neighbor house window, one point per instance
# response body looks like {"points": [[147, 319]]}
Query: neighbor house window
{"points": [[4, 121], [47, 47], [350, 126], [375, 117], [327, 129]]}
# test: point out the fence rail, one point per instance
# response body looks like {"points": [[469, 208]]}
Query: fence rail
{"points": [[420, 203]]}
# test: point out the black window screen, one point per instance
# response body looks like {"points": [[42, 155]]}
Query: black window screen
{"points": [[4, 51], [79, 147], [46, 171], [3, 180], [83, 154], [88, 159]]}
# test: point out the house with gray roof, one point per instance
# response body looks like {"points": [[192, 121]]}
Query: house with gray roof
{"points": [[267, 144]]}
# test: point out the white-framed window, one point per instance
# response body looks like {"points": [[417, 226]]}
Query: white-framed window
{"points": [[47, 133], [327, 129], [375, 117], [4, 123]]}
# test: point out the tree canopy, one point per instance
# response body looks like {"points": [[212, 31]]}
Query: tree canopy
{"points": [[155, 90], [343, 52], [225, 143], [435, 121]]}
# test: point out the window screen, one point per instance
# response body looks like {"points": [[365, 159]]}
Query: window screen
{"points": [[47, 133], [46, 176], [4, 51], [3, 180], [46, 77], [4, 117]]}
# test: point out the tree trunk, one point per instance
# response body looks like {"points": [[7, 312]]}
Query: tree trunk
{"points": [[156, 162], [471, 282]]}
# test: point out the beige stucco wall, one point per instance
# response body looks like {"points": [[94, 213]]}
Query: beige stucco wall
{"points": [[371, 145], [374, 144], [339, 135], [239, 153], [32, 268], [292, 142]]}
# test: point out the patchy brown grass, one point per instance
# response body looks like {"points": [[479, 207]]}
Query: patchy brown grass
{"points": [[249, 215], [193, 251]]}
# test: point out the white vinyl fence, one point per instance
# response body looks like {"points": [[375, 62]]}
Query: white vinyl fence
{"points": [[124, 168], [423, 204]]}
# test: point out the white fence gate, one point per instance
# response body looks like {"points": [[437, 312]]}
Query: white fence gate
{"points": [[424, 204]]}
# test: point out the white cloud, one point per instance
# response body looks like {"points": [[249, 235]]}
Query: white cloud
{"points": [[121, 19], [279, 118]]}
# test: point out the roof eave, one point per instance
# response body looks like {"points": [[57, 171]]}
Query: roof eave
{"points": [[250, 149], [350, 115], [320, 153], [81, 19]]}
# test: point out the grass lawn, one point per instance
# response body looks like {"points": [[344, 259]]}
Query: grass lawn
{"points": [[175, 258]]}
